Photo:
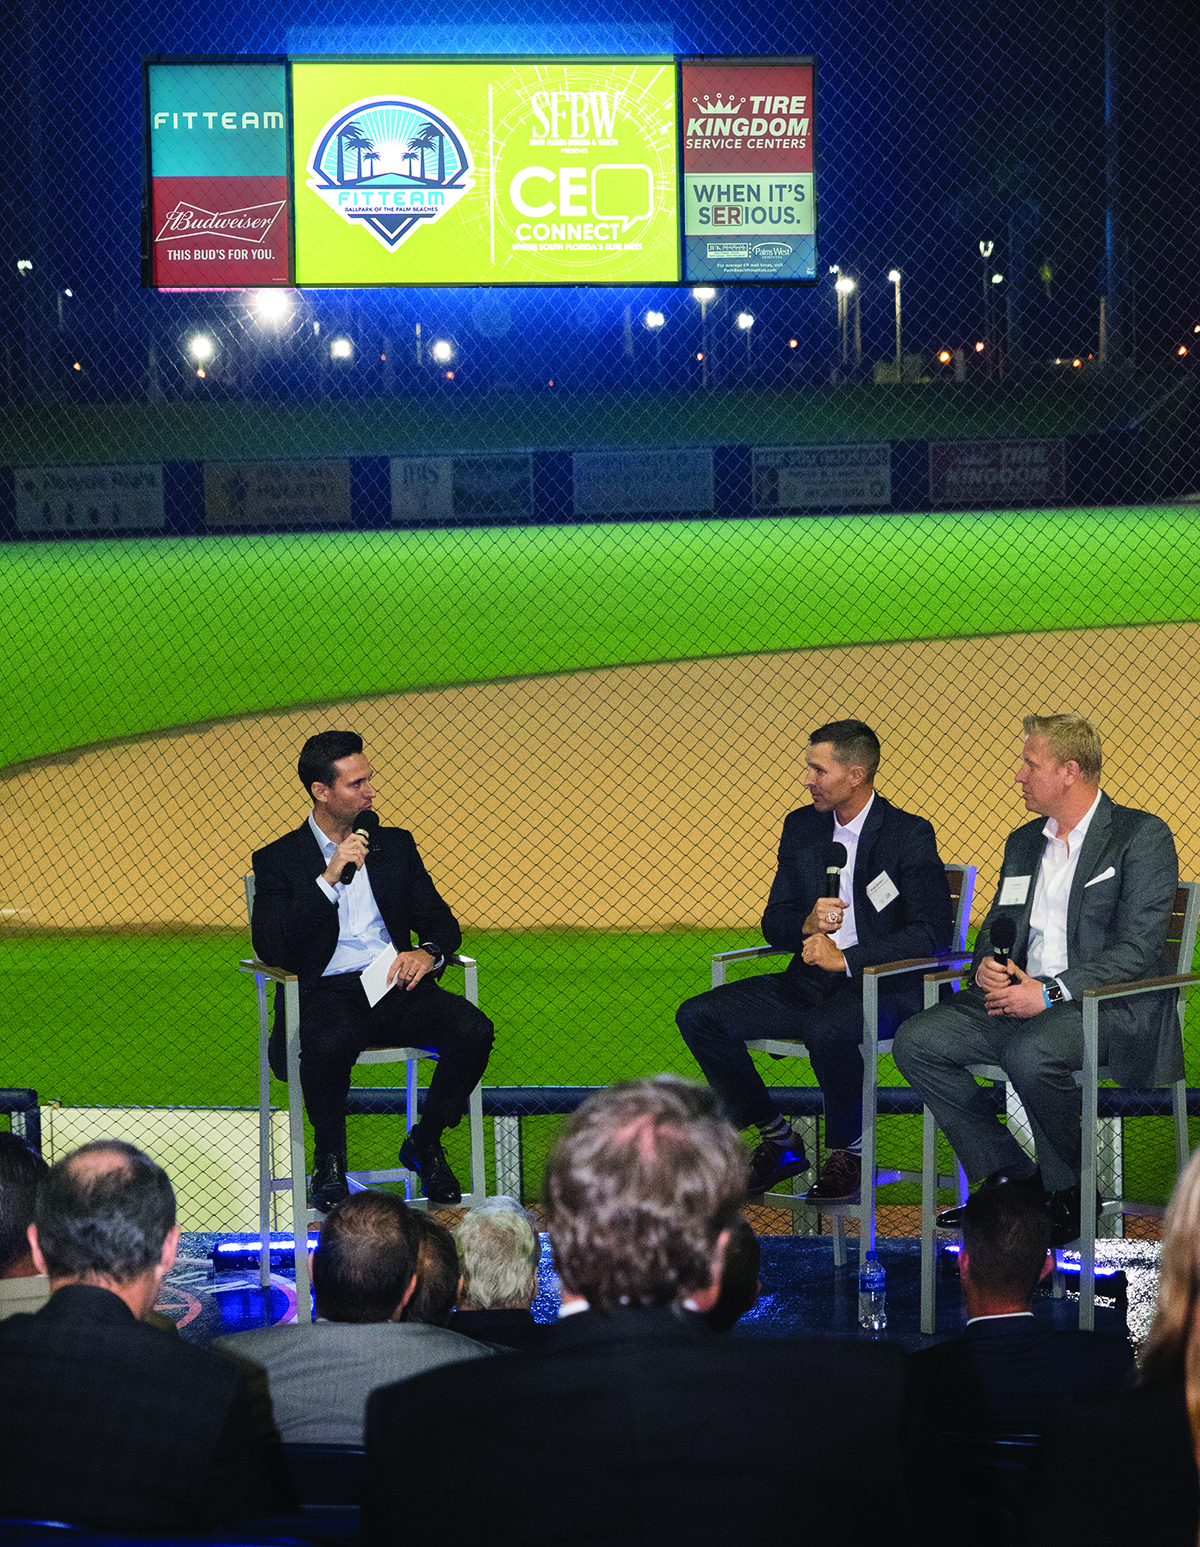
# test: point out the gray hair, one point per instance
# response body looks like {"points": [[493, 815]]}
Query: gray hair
{"points": [[498, 1251]]}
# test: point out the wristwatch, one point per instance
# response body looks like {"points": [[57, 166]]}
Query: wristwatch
{"points": [[438, 959], [1053, 993]]}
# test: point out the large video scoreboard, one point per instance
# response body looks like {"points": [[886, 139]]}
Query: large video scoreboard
{"points": [[345, 173]]}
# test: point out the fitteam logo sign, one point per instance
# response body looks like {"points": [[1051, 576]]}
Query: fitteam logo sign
{"points": [[391, 164]]}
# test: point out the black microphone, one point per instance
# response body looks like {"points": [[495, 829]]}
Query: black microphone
{"points": [[365, 824], [834, 857], [1004, 937]]}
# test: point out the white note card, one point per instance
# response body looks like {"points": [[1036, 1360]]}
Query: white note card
{"points": [[1014, 891], [374, 977], [882, 890]]}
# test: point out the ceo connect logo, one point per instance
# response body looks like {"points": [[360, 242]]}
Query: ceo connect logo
{"points": [[391, 164]]}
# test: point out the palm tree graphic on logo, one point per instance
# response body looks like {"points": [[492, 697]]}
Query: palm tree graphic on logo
{"points": [[362, 166]]}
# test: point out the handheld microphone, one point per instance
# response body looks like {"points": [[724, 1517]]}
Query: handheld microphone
{"points": [[365, 824], [834, 858], [1003, 936]]}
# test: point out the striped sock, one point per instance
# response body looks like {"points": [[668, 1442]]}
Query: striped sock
{"points": [[777, 1131]]}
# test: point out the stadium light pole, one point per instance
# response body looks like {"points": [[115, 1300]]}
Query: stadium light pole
{"points": [[894, 276], [704, 294], [985, 252], [845, 287]]}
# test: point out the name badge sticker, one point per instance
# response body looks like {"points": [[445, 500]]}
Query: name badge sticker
{"points": [[1014, 891], [882, 890]]}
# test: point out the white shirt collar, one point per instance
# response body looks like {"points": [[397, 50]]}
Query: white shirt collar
{"points": [[855, 824], [1001, 1316], [1079, 832], [326, 842]]}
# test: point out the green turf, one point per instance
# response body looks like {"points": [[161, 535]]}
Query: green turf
{"points": [[723, 416], [166, 1019], [125, 638]]}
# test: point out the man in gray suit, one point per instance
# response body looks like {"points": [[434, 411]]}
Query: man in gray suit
{"points": [[1089, 892], [364, 1273]]}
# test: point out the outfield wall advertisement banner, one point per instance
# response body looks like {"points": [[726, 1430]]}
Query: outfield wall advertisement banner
{"points": [[276, 494], [822, 477], [748, 171], [470, 171], [992, 472], [89, 499], [615, 483], [472, 487], [218, 175]]}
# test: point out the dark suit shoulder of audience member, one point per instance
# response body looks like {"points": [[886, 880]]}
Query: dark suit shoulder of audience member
{"points": [[106, 1422], [1124, 1468], [515, 1330], [639, 1423]]}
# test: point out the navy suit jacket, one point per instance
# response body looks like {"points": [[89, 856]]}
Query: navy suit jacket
{"points": [[917, 922], [642, 1427], [1010, 1374], [1121, 899], [295, 926]]}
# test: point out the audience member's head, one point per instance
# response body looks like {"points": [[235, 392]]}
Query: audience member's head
{"points": [[437, 1274], [20, 1171], [1173, 1346], [105, 1215], [642, 1188], [365, 1264], [740, 1287], [498, 1251], [1006, 1239]]}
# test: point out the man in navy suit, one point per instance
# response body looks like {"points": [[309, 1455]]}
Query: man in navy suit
{"points": [[326, 930], [893, 904], [1089, 887], [981, 1399]]}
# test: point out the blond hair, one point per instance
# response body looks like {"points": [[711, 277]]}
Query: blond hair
{"points": [[1070, 739], [1173, 1346]]}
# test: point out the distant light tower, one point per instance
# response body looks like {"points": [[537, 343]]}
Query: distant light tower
{"points": [[985, 252], [846, 287], [704, 294], [894, 276], [654, 322]]}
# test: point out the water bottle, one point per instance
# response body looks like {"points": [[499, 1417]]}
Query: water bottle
{"points": [[872, 1294]]}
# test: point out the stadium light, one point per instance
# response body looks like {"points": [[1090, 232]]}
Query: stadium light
{"points": [[745, 320], [894, 277], [654, 320], [271, 306], [341, 349], [997, 279], [845, 285], [201, 347], [441, 350]]}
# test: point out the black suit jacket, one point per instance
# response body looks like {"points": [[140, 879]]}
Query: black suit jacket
{"points": [[1117, 1469], [643, 1427], [295, 926], [111, 1424], [1121, 899], [1010, 1374], [918, 922]]}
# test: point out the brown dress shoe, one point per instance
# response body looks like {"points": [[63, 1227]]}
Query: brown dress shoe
{"points": [[840, 1180]]}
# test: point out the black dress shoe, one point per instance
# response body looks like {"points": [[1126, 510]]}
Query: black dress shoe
{"points": [[1066, 1216], [328, 1180], [951, 1219], [774, 1161], [427, 1160]]}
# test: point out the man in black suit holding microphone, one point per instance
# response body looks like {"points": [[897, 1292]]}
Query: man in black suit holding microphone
{"points": [[859, 883], [330, 898]]}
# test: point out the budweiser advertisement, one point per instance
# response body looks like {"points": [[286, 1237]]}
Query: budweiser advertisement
{"points": [[217, 164]]}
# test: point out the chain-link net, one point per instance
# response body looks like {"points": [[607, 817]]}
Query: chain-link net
{"points": [[582, 566]]}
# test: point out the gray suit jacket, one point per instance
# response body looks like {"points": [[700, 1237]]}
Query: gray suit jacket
{"points": [[321, 1374], [1121, 898]]}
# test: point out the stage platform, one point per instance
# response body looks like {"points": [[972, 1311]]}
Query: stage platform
{"points": [[804, 1294]]}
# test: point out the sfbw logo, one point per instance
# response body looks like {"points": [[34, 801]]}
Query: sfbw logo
{"points": [[391, 164]]}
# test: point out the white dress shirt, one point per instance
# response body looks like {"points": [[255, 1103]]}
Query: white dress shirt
{"points": [[849, 835], [1048, 917], [362, 934]]}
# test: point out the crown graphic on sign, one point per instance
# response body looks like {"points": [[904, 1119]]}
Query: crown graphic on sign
{"points": [[719, 106]]}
